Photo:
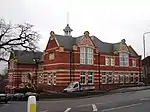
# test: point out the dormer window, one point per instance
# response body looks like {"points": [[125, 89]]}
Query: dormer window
{"points": [[86, 55], [124, 59]]}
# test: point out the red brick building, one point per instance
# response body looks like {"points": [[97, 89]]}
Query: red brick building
{"points": [[85, 59]]}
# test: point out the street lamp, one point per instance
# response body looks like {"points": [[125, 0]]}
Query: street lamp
{"points": [[144, 41], [36, 60]]}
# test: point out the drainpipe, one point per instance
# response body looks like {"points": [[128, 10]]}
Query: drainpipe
{"points": [[70, 66], [140, 67], [99, 69]]}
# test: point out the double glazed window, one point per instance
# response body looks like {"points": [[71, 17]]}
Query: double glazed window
{"points": [[109, 61], [86, 55], [124, 59], [88, 76], [104, 78], [82, 78]]}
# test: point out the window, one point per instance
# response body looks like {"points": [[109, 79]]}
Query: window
{"points": [[86, 55], [124, 59], [112, 61], [121, 79], [116, 78], [49, 79], [110, 78], [136, 78], [90, 77], [54, 78], [127, 78], [41, 79], [104, 78], [82, 78], [107, 61], [133, 63], [51, 56], [131, 78]]}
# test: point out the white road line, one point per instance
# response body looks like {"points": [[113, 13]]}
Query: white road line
{"points": [[84, 105], [94, 107], [126, 106], [67, 110], [44, 111], [99, 103], [144, 99]]}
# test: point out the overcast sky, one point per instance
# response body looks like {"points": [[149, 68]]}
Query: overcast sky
{"points": [[109, 20]]}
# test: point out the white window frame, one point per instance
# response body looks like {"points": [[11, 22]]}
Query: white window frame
{"points": [[89, 56], [112, 61], [121, 81], [107, 61], [49, 79], [136, 75], [83, 74], [54, 78], [124, 59], [133, 63], [51, 55], [127, 78], [86, 55], [131, 74], [116, 78], [105, 77], [90, 76], [109, 75], [41, 78]]}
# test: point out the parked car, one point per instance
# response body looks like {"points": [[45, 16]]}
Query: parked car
{"points": [[3, 98], [10, 96], [31, 94], [141, 84], [18, 96]]}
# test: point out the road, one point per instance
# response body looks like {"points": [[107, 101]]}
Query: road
{"points": [[137, 101]]}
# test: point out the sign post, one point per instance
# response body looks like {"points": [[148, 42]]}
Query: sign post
{"points": [[31, 106]]}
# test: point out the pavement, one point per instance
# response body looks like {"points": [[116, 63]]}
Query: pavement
{"points": [[133, 101]]}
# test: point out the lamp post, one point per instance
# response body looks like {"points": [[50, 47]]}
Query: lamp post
{"points": [[36, 60], [144, 41]]}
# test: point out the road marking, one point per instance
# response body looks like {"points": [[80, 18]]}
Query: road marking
{"points": [[126, 106], [94, 107], [144, 99], [84, 105], [99, 103], [67, 110], [44, 111]]}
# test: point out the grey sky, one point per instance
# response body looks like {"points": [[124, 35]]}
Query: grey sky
{"points": [[109, 20]]}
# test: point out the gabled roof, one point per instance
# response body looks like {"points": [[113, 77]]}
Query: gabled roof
{"points": [[27, 57], [68, 41]]}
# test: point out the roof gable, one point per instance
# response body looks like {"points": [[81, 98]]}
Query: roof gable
{"points": [[52, 38], [86, 40]]}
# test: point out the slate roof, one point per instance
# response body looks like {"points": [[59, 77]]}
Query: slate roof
{"points": [[68, 41], [27, 57]]}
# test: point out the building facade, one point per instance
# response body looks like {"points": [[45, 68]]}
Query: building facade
{"points": [[146, 69], [85, 59]]}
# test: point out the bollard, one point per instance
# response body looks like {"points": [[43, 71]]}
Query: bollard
{"points": [[31, 106]]}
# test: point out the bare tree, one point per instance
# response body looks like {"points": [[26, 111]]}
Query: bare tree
{"points": [[12, 37]]}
